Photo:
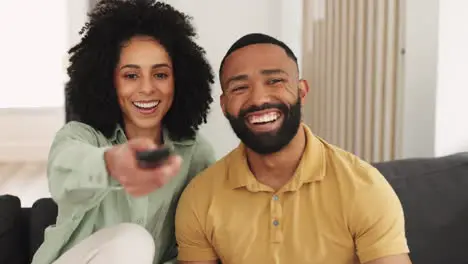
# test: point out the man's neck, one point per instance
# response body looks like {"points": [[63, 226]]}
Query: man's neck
{"points": [[276, 169]]}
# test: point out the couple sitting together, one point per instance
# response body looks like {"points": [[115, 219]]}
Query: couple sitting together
{"points": [[138, 81]]}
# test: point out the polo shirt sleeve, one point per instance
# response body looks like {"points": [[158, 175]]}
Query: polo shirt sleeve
{"points": [[377, 221], [76, 169], [192, 238]]}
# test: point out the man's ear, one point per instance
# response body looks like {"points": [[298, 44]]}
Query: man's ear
{"points": [[222, 102], [303, 90]]}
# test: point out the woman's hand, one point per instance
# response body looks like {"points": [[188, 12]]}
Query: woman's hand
{"points": [[122, 165]]}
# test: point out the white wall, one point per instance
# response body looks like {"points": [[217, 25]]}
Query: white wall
{"points": [[219, 24], [42, 45], [435, 84], [452, 88], [419, 80], [76, 18], [26, 133], [32, 48], [32, 71]]}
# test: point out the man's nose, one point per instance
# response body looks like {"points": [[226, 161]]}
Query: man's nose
{"points": [[259, 95]]}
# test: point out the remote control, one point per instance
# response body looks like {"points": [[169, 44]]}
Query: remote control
{"points": [[152, 158]]}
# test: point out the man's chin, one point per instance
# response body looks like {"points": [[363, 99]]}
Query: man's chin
{"points": [[262, 143], [264, 148], [266, 134]]}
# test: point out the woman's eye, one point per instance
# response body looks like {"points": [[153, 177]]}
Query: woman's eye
{"points": [[131, 76], [160, 75]]}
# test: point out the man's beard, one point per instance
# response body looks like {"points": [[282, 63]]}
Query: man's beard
{"points": [[268, 142]]}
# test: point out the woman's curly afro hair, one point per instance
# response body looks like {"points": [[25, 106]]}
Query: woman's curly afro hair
{"points": [[90, 91]]}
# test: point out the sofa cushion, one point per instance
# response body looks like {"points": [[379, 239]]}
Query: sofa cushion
{"points": [[43, 214], [434, 196], [13, 244]]}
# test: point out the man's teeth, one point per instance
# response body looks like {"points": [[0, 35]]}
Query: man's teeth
{"points": [[266, 118], [146, 105]]}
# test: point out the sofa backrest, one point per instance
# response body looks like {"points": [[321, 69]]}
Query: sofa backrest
{"points": [[13, 235], [43, 214], [434, 196], [22, 229]]}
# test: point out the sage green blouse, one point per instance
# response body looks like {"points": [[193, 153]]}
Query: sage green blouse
{"points": [[89, 199]]}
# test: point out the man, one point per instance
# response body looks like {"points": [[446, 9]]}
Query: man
{"points": [[284, 195]]}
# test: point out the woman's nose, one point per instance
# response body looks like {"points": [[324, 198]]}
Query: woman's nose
{"points": [[147, 86]]}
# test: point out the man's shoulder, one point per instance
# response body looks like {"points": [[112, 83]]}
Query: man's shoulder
{"points": [[211, 179], [214, 174], [356, 180], [350, 167]]}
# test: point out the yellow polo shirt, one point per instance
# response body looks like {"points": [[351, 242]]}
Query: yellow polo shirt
{"points": [[337, 209]]}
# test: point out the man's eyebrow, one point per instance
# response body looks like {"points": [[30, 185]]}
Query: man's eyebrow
{"points": [[273, 71], [241, 77]]}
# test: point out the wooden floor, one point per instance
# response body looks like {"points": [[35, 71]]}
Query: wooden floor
{"points": [[26, 180]]}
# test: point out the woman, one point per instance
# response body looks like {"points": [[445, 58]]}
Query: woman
{"points": [[137, 81]]}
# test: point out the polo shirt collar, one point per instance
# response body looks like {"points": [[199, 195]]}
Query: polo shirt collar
{"points": [[311, 168]]}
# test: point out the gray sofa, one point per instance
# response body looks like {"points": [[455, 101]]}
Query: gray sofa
{"points": [[434, 194]]}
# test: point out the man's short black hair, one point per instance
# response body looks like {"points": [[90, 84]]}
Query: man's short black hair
{"points": [[256, 38]]}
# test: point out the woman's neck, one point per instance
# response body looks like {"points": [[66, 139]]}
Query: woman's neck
{"points": [[155, 133]]}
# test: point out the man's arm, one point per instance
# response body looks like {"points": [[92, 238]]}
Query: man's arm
{"points": [[190, 225], [377, 223], [397, 259], [201, 262]]}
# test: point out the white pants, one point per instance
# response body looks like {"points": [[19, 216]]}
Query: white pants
{"points": [[120, 244]]}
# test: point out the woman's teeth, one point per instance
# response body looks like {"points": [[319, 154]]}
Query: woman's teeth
{"points": [[146, 105]]}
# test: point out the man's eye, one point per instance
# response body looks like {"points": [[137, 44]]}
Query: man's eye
{"points": [[274, 81], [239, 88]]}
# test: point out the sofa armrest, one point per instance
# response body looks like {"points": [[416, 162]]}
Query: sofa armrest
{"points": [[43, 214], [13, 240]]}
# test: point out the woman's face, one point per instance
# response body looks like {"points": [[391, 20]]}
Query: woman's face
{"points": [[144, 81]]}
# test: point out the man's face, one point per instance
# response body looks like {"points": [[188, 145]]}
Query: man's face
{"points": [[262, 97]]}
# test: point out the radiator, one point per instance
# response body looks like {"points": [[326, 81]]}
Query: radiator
{"points": [[352, 61]]}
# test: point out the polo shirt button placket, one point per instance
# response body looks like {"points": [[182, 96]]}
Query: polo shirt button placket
{"points": [[275, 199], [276, 214]]}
